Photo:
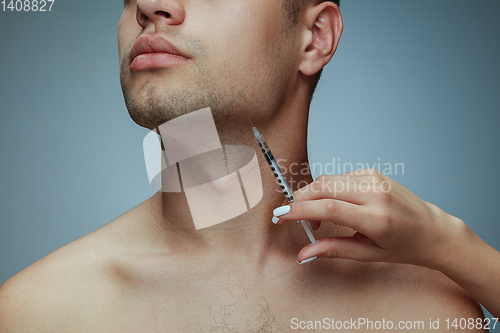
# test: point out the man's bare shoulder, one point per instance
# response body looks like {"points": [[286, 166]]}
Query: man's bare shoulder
{"points": [[434, 296], [405, 292], [67, 285], [80, 285], [394, 291]]}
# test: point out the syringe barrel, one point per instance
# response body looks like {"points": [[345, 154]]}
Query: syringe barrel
{"points": [[282, 181], [262, 144], [283, 184]]}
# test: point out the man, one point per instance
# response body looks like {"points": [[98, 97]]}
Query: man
{"points": [[150, 270]]}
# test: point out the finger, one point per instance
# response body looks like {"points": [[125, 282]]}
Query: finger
{"points": [[357, 247], [340, 212], [349, 188]]}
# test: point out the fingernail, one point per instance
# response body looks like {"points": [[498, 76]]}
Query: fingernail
{"points": [[281, 210], [305, 261], [275, 220]]}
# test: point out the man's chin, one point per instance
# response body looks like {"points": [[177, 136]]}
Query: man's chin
{"points": [[150, 114]]}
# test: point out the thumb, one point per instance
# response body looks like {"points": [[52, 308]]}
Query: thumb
{"points": [[357, 247]]}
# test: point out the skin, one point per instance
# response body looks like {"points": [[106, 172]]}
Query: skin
{"points": [[228, 66], [394, 225], [150, 270]]}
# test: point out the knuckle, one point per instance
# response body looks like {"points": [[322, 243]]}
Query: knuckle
{"points": [[383, 221], [316, 185], [320, 184], [387, 196], [331, 252], [332, 206], [377, 179], [385, 186], [384, 196], [381, 177]]}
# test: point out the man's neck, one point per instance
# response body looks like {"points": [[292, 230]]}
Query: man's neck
{"points": [[251, 233]]}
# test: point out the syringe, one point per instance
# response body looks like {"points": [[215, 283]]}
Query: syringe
{"points": [[279, 177]]}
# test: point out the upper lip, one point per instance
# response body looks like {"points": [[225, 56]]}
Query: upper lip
{"points": [[154, 44]]}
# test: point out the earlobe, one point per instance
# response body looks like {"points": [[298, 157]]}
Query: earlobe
{"points": [[323, 36]]}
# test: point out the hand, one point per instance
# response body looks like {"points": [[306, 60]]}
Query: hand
{"points": [[391, 223]]}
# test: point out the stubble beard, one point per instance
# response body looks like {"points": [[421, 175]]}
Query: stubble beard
{"points": [[229, 95]]}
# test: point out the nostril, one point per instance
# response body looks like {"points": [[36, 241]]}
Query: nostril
{"points": [[167, 15], [142, 18]]}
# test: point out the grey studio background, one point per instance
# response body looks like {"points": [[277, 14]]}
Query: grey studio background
{"points": [[413, 82]]}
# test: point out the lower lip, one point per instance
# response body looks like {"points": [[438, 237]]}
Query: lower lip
{"points": [[156, 60]]}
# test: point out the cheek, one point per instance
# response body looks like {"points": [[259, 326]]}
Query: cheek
{"points": [[243, 38], [126, 27]]}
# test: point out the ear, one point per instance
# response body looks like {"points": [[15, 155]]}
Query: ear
{"points": [[322, 29]]}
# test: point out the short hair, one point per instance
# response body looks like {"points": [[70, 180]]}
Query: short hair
{"points": [[292, 10], [293, 7]]}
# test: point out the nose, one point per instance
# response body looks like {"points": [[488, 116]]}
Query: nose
{"points": [[160, 12]]}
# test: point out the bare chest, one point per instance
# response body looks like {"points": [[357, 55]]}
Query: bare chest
{"points": [[229, 312], [225, 306], [277, 300]]}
